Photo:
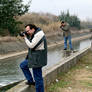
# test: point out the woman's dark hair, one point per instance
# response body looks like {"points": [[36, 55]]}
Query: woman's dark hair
{"points": [[32, 26]]}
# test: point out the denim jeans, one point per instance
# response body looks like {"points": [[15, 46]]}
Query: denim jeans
{"points": [[37, 73], [65, 42]]}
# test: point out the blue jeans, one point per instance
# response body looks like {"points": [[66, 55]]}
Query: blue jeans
{"points": [[37, 73], [65, 42]]}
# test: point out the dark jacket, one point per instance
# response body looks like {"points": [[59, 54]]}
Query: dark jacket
{"points": [[37, 58], [66, 30]]}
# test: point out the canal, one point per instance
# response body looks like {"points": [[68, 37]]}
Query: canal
{"points": [[10, 71]]}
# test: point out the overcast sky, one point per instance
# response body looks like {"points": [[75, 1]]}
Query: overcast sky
{"points": [[82, 8]]}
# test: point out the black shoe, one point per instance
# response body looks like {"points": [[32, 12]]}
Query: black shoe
{"points": [[71, 49], [30, 83], [65, 48]]}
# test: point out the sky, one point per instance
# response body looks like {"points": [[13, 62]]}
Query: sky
{"points": [[81, 8]]}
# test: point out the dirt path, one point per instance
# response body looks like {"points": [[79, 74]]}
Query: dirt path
{"points": [[78, 79]]}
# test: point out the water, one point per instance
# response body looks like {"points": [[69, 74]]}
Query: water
{"points": [[10, 71]]}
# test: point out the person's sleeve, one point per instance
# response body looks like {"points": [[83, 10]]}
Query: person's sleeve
{"points": [[35, 40], [66, 28]]}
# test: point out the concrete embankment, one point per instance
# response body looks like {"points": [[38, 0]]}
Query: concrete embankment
{"points": [[49, 46], [51, 74], [10, 45]]}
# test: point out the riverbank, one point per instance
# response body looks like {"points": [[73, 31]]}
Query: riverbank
{"points": [[9, 45], [13, 54], [78, 79]]}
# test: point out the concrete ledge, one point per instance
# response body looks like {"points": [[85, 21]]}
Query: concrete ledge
{"points": [[51, 74], [21, 87], [9, 85]]}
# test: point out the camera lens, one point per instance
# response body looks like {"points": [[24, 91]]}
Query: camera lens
{"points": [[23, 33]]}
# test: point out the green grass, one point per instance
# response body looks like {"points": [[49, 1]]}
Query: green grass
{"points": [[61, 84], [67, 79], [86, 83]]}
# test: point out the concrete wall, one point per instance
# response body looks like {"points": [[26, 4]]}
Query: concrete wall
{"points": [[51, 74]]}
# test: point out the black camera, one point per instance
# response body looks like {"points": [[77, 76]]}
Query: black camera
{"points": [[23, 33]]}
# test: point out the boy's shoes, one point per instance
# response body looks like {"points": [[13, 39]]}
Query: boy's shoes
{"points": [[65, 48], [30, 83], [71, 49]]}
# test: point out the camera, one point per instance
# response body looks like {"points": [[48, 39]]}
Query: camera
{"points": [[23, 33]]}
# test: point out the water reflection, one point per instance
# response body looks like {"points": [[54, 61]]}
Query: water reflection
{"points": [[11, 72], [85, 44], [82, 44]]}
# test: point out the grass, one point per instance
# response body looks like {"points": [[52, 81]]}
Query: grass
{"points": [[79, 76], [47, 22], [86, 83], [61, 83]]}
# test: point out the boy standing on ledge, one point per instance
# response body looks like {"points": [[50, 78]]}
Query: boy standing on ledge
{"points": [[66, 34]]}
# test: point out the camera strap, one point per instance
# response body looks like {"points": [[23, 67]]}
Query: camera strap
{"points": [[42, 39]]}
